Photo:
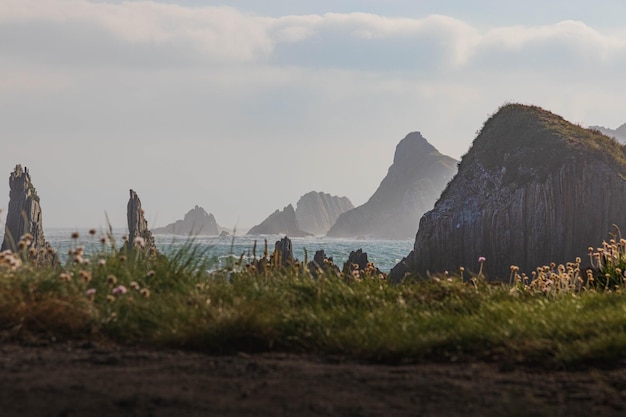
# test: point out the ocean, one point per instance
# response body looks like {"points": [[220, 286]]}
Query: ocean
{"points": [[384, 253]]}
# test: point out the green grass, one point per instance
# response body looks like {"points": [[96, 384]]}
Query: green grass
{"points": [[174, 302]]}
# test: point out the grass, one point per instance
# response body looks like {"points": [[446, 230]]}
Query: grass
{"points": [[130, 297]]}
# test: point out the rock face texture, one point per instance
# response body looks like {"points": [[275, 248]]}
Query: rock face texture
{"points": [[619, 133], [196, 222], [280, 222], [317, 212], [138, 232], [533, 189], [24, 217], [413, 183]]}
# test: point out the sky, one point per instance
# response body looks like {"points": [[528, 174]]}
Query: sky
{"points": [[243, 106]]}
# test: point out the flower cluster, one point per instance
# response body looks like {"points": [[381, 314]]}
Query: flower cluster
{"points": [[10, 260]]}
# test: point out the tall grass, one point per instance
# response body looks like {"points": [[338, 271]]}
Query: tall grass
{"points": [[129, 296]]}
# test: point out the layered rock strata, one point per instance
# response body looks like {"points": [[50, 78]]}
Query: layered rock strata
{"points": [[415, 180], [533, 189]]}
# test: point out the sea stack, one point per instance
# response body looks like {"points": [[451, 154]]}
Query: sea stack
{"points": [[280, 222], [415, 180], [25, 217], [316, 212], [196, 222], [533, 189], [138, 232]]}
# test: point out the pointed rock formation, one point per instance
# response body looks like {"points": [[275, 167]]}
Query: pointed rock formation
{"points": [[138, 232], [533, 189], [322, 264], [317, 212], [280, 222], [24, 217], [283, 252], [196, 222], [414, 182]]}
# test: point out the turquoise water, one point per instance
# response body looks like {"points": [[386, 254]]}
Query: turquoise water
{"points": [[384, 253]]}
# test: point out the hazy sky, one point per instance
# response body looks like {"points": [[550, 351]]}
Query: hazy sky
{"points": [[242, 106]]}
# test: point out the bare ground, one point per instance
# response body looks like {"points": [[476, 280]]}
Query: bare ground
{"points": [[83, 379]]}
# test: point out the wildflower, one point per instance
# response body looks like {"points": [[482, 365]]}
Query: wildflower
{"points": [[75, 235], [120, 289], [145, 292], [90, 293], [92, 232], [123, 258], [139, 242], [110, 298], [85, 276], [32, 252], [65, 277], [103, 240], [111, 280], [481, 259], [101, 262], [134, 285], [150, 273]]}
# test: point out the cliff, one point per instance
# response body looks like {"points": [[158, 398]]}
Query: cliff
{"points": [[317, 212], [196, 222], [280, 222], [533, 189], [415, 180], [138, 233], [25, 217]]}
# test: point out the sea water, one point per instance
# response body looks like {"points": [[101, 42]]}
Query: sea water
{"points": [[221, 250]]}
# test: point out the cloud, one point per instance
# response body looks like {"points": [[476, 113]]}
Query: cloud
{"points": [[149, 34]]}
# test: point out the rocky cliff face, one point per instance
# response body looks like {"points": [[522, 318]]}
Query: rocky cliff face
{"points": [[24, 217], [280, 222], [414, 182], [533, 189], [317, 212], [138, 233], [196, 222]]}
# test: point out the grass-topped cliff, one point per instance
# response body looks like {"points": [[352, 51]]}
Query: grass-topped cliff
{"points": [[532, 189], [530, 143]]}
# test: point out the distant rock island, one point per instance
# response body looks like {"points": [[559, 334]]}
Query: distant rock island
{"points": [[415, 180], [196, 222], [532, 189], [316, 212], [280, 222], [619, 133]]}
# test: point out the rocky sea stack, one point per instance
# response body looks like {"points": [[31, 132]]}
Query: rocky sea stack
{"points": [[138, 233], [24, 218], [533, 189], [280, 222], [196, 222], [415, 180], [619, 133], [317, 212]]}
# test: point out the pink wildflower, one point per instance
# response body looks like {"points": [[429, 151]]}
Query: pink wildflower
{"points": [[120, 289]]}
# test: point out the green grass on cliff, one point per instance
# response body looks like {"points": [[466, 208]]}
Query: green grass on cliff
{"points": [[173, 301], [531, 142]]}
